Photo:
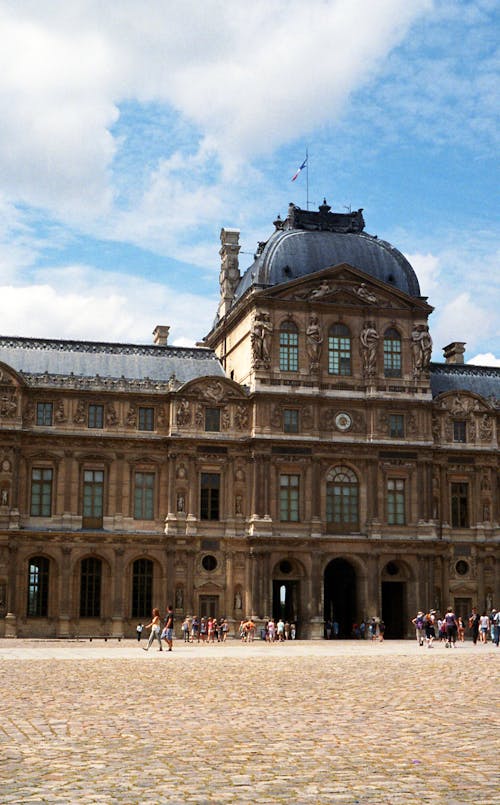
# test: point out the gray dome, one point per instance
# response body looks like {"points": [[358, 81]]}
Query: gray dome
{"points": [[308, 242]]}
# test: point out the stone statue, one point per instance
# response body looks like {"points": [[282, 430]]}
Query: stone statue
{"points": [[369, 342], [111, 417], [180, 503], [365, 294], [261, 340], [314, 341], [323, 290], [421, 345], [237, 600], [238, 504], [183, 417], [179, 598], [4, 499]]}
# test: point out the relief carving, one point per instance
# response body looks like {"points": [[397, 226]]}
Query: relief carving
{"points": [[261, 335], [183, 415], [225, 420], [241, 417], [365, 294], [276, 417], [486, 428], [111, 416], [131, 418], [8, 405], [421, 347], [80, 415], [199, 416], [59, 414], [29, 413]]}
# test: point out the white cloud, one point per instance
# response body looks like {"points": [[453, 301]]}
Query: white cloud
{"points": [[484, 359]]}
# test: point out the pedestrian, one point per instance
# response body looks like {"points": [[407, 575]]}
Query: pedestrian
{"points": [[280, 629], [381, 631], [195, 629], [474, 624], [484, 625], [287, 630], [203, 631], [496, 623], [418, 622], [185, 629], [461, 630], [293, 631], [451, 628], [429, 627], [155, 630], [169, 627], [138, 629]]}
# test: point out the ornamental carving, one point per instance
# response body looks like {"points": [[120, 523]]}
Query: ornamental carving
{"points": [[368, 345], [276, 417], [183, 414], [306, 417], [59, 413], [29, 413], [314, 342], [80, 415], [486, 428], [225, 418], [363, 292], [436, 428], [261, 336], [199, 416], [111, 415], [241, 417], [8, 405], [131, 418], [421, 349]]}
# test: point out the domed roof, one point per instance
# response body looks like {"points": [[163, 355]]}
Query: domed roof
{"points": [[307, 242]]}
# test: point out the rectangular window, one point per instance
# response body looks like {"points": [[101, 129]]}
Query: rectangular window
{"points": [[212, 419], [96, 416], [289, 498], [38, 587], [44, 413], [396, 426], [90, 587], [396, 501], [146, 419], [41, 492], [144, 496], [93, 498], [460, 504], [209, 496], [290, 420], [459, 431]]}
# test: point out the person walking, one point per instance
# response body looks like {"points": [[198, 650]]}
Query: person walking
{"points": [[169, 626], [451, 628], [484, 625], [418, 622], [138, 629], [474, 624], [155, 630]]}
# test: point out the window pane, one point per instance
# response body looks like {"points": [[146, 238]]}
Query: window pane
{"points": [[146, 419], [289, 347], [142, 588], [209, 496], [339, 350], [396, 501], [41, 492], [38, 587], [460, 505], [212, 419], [459, 431], [289, 498], [342, 504], [144, 496], [392, 353], [290, 420], [96, 416], [44, 414], [396, 426], [90, 588], [93, 497]]}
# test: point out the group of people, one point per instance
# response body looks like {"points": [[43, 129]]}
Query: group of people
{"points": [[273, 631], [204, 630], [157, 632], [450, 629]]}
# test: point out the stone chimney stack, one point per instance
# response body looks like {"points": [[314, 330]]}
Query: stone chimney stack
{"points": [[160, 335], [454, 352], [229, 276]]}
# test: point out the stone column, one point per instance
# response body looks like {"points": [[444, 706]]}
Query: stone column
{"points": [[315, 589], [189, 583], [229, 590], [118, 608], [65, 592], [169, 587], [373, 587], [11, 618], [248, 591]]}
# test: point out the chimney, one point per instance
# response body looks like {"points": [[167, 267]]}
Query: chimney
{"points": [[229, 276], [160, 335], [454, 352]]}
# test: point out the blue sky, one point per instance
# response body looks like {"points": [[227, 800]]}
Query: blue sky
{"points": [[131, 133]]}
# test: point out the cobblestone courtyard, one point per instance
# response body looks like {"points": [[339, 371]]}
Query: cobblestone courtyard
{"points": [[302, 722]]}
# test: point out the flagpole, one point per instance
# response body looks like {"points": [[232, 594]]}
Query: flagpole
{"points": [[307, 178]]}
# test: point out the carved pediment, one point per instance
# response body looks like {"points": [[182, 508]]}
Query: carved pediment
{"points": [[212, 390]]}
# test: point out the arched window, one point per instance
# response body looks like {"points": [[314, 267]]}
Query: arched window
{"points": [[339, 350], [392, 353], [342, 500], [289, 347], [38, 587], [142, 588], [90, 587]]}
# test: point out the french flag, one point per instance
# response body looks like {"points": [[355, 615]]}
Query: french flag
{"points": [[299, 169]]}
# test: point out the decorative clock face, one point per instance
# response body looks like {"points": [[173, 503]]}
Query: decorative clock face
{"points": [[343, 421]]}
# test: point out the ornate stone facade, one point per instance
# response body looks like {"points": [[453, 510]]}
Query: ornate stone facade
{"points": [[309, 462]]}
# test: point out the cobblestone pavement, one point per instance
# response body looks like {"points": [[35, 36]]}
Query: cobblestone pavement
{"points": [[303, 722]]}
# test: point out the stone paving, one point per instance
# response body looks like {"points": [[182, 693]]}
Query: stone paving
{"points": [[326, 722]]}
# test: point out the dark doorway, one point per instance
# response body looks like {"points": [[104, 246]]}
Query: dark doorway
{"points": [[463, 609], [340, 595], [209, 606], [285, 600], [393, 609]]}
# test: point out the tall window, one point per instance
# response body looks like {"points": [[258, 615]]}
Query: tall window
{"points": [[38, 587], [144, 495], [44, 413], [339, 350], [396, 501], [342, 499], [90, 587], [146, 419], [396, 426], [290, 420], [289, 347], [460, 504], [289, 498], [212, 419], [392, 353], [41, 492], [96, 416], [210, 496], [93, 498], [142, 588], [459, 430]]}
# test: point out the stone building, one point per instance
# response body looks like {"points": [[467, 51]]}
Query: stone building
{"points": [[310, 461]]}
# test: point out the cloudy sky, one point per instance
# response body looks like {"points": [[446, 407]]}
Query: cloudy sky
{"points": [[131, 132]]}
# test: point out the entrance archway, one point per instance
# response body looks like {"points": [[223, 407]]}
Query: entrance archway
{"points": [[340, 595], [286, 591], [394, 592]]}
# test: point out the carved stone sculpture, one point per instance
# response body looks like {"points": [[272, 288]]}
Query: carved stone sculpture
{"points": [[241, 417], [261, 340], [314, 342], [369, 339], [80, 416], [421, 345], [183, 417]]}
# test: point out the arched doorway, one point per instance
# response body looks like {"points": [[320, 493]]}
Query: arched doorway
{"points": [[394, 592], [286, 591], [340, 595]]}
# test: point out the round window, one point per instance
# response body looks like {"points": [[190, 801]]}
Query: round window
{"points": [[285, 566], [209, 562], [462, 567], [392, 569]]}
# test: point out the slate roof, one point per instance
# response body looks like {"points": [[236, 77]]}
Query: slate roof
{"points": [[483, 380], [36, 356]]}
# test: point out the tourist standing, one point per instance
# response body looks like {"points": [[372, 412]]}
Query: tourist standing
{"points": [[138, 629], [430, 628], [169, 627], [484, 625], [418, 622], [451, 628], [474, 624]]}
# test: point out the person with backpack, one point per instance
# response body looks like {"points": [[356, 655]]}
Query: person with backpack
{"points": [[418, 623], [451, 628]]}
